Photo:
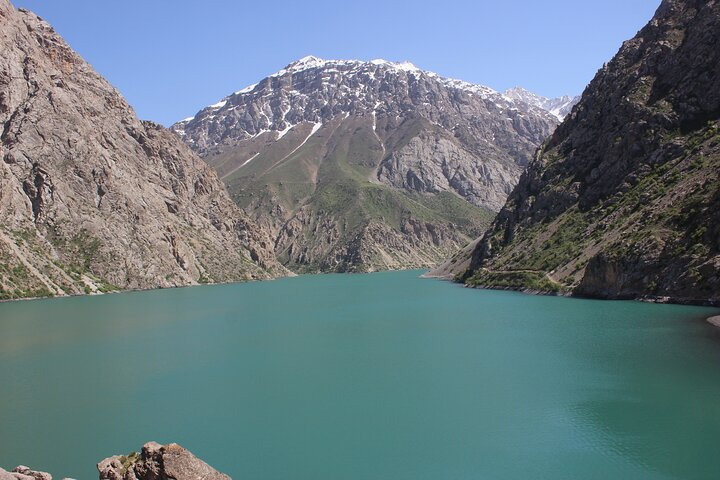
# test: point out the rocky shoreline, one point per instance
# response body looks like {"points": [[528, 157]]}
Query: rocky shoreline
{"points": [[153, 462], [700, 302], [439, 274], [149, 289]]}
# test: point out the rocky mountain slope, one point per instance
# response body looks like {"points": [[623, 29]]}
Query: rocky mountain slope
{"points": [[623, 201], [367, 165], [92, 199]]}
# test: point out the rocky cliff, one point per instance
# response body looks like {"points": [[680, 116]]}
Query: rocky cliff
{"points": [[623, 201], [367, 165], [91, 198]]}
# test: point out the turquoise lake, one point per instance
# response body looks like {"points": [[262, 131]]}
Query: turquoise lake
{"points": [[363, 377]]}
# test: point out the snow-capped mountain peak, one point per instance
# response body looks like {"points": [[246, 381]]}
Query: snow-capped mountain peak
{"points": [[313, 90], [307, 62], [405, 66], [311, 62], [347, 86]]}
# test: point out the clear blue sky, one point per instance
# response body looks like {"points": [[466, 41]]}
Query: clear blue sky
{"points": [[172, 57]]}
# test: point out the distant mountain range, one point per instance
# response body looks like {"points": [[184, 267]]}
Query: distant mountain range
{"points": [[358, 166], [559, 107]]}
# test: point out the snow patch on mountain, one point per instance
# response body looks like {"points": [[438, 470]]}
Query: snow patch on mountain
{"points": [[559, 107], [312, 89]]}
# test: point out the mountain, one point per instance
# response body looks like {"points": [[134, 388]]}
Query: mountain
{"points": [[92, 199], [623, 201], [560, 107], [358, 166]]}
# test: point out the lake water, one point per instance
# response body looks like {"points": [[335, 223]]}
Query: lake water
{"points": [[363, 377]]}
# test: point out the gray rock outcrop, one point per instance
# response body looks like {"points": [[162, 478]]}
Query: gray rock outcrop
{"points": [[158, 462], [154, 462]]}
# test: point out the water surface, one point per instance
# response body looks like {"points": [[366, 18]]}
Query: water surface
{"points": [[363, 377]]}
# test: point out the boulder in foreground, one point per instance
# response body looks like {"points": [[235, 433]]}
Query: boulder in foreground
{"points": [[22, 472], [157, 462]]}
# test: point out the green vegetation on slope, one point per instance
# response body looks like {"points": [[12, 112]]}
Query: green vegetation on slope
{"points": [[18, 281], [515, 280], [667, 214], [338, 215]]}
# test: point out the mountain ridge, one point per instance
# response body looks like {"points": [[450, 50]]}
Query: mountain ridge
{"points": [[558, 107]]}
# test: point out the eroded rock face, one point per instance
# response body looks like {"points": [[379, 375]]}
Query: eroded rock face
{"points": [[158, 462], [432, 164], [623, 201], [91, 198]]}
